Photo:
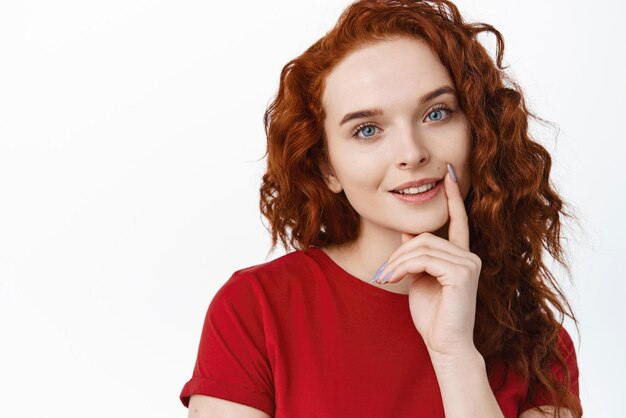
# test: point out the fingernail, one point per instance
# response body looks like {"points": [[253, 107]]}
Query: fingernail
{"points": [[452, 173], [380, 270], [386, 278]]}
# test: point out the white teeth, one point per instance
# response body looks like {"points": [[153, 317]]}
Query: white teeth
{"points": [[415, 190]]}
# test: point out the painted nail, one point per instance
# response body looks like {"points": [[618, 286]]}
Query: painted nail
{"points": [[380, 270], [387, 277], [452, 173]]}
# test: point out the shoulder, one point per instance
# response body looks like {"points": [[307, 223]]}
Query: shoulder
{"points": [[260, 293], [566, 344], [508, 381], [566, 349], [563, 370], [270, 276], [288, 265]]}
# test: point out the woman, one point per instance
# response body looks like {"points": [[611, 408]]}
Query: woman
{"points": [[401, 171]]}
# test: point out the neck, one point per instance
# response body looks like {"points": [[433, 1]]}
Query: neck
{"points": [[373, 246]]}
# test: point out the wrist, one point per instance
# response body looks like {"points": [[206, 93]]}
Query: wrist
{"points": [[454, 360], [464, 385]]}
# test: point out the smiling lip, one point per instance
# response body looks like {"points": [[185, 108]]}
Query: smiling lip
{"points": [[420, 197], [415, 183]]}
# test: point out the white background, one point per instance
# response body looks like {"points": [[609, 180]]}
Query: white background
{"points": [[131, 147]]}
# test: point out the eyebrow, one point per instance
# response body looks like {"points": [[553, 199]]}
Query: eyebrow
{"points": [[377, 112]]}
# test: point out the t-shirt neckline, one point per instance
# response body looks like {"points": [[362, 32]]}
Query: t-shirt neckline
{"points": [[355, 282]]}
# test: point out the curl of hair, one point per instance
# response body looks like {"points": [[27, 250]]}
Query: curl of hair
{"points": [[514, 210]]}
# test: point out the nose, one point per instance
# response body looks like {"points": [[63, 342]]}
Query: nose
{"points": [[411, 151]]}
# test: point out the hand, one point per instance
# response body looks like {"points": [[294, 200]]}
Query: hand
{"points": [[444, 281]]}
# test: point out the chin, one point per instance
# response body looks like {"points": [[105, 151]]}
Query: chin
{"points": [[437, 228]]}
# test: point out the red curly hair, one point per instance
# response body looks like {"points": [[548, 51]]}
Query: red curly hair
{"points": [[514, 210]]}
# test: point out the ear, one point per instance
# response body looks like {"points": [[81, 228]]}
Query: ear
{"points": [[330, 178]]}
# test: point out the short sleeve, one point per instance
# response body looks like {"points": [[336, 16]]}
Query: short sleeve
{"points": [[540, 396], [232, 361]]}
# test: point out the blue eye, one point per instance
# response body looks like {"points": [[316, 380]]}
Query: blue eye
{"points": [[368, 130], [439, 113], [364, 131], [436, 115]]}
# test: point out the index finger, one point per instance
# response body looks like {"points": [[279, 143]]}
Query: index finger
{"points": [[458, 230]]}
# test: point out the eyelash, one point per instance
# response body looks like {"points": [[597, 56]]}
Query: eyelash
{"points": [[358, 128], [442, 107]]}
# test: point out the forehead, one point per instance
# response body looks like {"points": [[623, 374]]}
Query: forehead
{"points": [[383, 74]]}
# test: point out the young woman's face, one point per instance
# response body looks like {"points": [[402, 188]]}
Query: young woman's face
{"points": [[392, 117]]}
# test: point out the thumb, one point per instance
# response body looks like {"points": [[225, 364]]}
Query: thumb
{"points": [[406, 237]]}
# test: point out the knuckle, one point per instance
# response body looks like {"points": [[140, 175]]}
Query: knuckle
{"points": [[425, 237], [422, 252], [425, 256]]}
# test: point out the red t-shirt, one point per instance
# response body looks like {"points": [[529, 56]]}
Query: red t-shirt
{"points": [[300, 337]]}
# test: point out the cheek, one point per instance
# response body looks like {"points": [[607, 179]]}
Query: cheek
{"points": [[459, 155], [465, 184], [460, 150], [460, 145], [464, 172], [359, 170]]}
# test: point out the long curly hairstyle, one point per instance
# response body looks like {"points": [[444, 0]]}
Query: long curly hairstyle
{"points": [[513, 208]]}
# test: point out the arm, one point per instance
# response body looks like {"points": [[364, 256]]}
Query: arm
{"points": [[466, 392], [442, 301], [464, 386], [232, 362], [201, 406]]}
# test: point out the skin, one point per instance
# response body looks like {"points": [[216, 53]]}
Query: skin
{"points": [[408, 144], [409, 140], [426, 246]]}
